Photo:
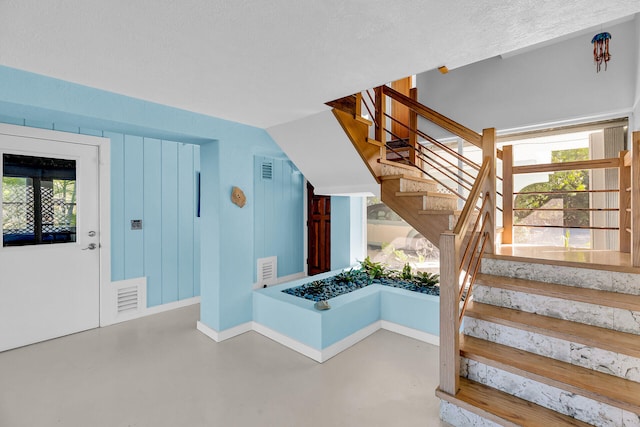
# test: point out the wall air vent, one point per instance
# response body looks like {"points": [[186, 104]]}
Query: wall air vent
{"points": [[267, 271], [128, 299], [267, 170]]}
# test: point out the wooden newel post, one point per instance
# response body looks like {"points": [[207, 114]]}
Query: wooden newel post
{"points": [[624, 200], [635, 200], [507, 194], [449, 315], [413, 129], [489, 150], [380, 117]]}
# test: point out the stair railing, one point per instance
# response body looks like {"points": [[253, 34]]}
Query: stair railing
{"points": [[623, 164], [461, 251], [454, 173], [462, 248]]}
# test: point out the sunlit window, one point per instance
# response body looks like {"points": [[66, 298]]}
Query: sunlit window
{"points": [[38, 200]]}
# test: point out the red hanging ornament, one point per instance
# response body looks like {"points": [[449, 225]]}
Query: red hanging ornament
{"points": [[601, 50]]}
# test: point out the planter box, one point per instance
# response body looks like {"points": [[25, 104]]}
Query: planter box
{"points": [[294, 321]]}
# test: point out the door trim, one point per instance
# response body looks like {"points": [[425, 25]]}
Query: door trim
{"points": [[104, 196]]}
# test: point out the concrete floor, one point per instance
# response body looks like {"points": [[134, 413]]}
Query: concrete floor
{"points": [[160, 371]]}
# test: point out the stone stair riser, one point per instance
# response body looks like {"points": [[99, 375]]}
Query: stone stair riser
{"points": [[616, 281], [562, 401], [590, 314], [457, 416], [604, 361]]}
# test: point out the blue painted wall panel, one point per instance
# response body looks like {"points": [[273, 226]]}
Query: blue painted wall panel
{"points": [[340, 232], [152, 221], [12, 120], [42, 124], [66, 128], [133, 206], [92, 132], [196, 222], [278, 215], [117, 205], [185, 221], [169, 222]]}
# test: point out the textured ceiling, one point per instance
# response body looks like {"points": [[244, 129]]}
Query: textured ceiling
{"points": [[269, 62]]}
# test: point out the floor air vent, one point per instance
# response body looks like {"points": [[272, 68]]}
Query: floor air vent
{"points": [[267, 270], [127, 299]]}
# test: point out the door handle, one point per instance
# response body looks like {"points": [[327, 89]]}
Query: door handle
{"points": [[91, 247]]}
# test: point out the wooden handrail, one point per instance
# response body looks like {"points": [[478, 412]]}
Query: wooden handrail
{"points": [[612, 190], [462, 224], [613, 162], [435, 117], [418, 132]]}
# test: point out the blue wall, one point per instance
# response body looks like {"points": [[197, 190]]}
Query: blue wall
{"points": [[227, 151], [279, 215], [347, 231], [152, 180]]}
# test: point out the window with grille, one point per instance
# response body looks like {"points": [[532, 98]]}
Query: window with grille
{"points": [[38, 200]]}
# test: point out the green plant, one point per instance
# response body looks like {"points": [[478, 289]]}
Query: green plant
{"points": [[374, 270], [406, 274], [347, 276], [316, 287], [425, 278]]}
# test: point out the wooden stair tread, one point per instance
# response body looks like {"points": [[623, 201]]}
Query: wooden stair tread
{"points": [[375, 142], [398, 165], [574, 293], [497, 406], [425, 193], [363, 120], [408, 178], [593, 336], [439, 212], [592, 384]]}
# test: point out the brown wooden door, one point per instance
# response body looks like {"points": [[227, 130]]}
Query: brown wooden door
{"points": [[319, 232]]}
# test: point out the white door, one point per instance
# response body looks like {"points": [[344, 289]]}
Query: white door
{"points": [[50, 252]]}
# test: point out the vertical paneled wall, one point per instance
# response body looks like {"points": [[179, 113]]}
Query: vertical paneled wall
{"points": [[154, 181], [278, 214]]}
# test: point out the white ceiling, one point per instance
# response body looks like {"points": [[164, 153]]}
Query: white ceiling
{"points": [[270, 62]]}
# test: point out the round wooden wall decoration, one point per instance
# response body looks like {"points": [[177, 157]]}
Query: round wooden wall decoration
{"points": [[238, 197]]}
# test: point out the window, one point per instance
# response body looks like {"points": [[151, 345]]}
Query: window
{"points": [[38, 200], [393, 242]]}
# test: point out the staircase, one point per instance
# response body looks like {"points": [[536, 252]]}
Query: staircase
{"points": [[521, 343], [558, 340], [420, 201]]}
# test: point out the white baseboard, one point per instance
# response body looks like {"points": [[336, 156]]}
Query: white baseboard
{"points": [[171, 306], [410, 332], [109, 312], [218, 336], [347, 342], [286, 341], [314, 353]]}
